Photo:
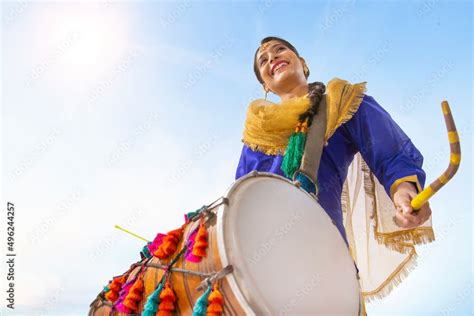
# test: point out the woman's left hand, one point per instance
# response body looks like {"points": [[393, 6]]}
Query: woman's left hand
{"points": [[405, 216]]}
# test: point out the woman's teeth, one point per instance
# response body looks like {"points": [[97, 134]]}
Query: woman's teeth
{"points": [[279, 66]]}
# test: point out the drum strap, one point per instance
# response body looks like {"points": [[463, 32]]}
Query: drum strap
{"points": [[314, 143]]}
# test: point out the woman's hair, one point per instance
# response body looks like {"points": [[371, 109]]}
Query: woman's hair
{"points": [[315, 89]]}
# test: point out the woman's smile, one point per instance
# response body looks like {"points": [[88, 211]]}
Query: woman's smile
{"points": [[279, 66]]}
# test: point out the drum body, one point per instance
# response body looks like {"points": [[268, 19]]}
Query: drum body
{"points": [[288, 257]]}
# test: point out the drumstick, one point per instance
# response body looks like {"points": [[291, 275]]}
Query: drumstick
{"points": [[127, 231], [455, 160]]}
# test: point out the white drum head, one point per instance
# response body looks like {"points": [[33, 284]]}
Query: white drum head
{"points": [[288, 256]]}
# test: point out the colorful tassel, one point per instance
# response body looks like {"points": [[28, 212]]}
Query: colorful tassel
{"points": [[152, 302], [295, 150], [146, 251], [200, 245], [170, 244], [214, 308], [167, 299], [123, 294], [135, 295], [156, 242], [200, 308], [114, 288], [190, 244], [190, 215]]}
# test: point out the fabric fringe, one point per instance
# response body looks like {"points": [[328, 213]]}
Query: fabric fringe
{"points": [[353, 106], [268, 150], [394, 280], [343, 100], [397, 240]]}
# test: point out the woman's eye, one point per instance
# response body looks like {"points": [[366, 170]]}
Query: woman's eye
{"points": [[280, 48], [262, 62]]}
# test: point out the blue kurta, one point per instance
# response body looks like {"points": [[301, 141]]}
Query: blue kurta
{"points": [[386, 149]]}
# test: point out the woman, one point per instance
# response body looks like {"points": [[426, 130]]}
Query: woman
{"points": [[356, 125]]}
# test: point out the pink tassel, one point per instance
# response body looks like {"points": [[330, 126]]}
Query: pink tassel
{"points": [[156, 242], [123, 293], [192, 239]]}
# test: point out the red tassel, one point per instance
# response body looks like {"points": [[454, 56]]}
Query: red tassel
{"points": [[135, 295], [214, 307], [200, 244], [114, 288], [170, 244], [167, 299]]}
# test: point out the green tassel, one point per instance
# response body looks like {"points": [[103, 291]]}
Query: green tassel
{"points": [[152, 302], [293, 154], [146, 252], [190, 215], [106, 289], [200, 308]]}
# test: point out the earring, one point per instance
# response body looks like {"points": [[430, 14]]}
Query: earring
{"points": [[305, 70], [266, 93]]}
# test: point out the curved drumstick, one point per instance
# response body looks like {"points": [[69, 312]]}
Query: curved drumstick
{"points": [[455, 159]]}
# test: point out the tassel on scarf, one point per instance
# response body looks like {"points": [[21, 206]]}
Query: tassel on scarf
{"points": [[216, 301], [170, 243], [114, 288], [295, 150], [135, 295], [152, 302], [167, 299], [200, 308], [200, 245]]}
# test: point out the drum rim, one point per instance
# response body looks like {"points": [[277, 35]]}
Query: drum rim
{"points": [[220, 232]]}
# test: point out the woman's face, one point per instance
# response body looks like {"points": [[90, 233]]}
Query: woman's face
{"points": [[279, 66]]}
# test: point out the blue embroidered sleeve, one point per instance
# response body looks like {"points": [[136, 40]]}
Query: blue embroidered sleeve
{"points": [[386, 149]]}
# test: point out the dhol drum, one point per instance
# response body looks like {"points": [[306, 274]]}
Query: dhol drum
{"points": [[272, 250]]}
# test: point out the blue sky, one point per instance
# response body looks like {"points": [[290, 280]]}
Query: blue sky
{"points": [[112, 111]]}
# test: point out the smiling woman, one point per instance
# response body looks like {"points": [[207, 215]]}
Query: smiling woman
{"points": [[281, 139]]}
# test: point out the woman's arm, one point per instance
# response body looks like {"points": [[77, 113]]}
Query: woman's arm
{"points": [[391, 156]]}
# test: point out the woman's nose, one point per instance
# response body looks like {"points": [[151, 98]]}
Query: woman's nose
{"points": [[272, 58]]}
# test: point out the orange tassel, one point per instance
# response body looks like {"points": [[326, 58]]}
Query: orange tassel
{"points": [[112, 296], [170, 244], [200, 244], [114, 288], [214, 307], [167, 299], [130, 304], [159, 253], [135, 295]]}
